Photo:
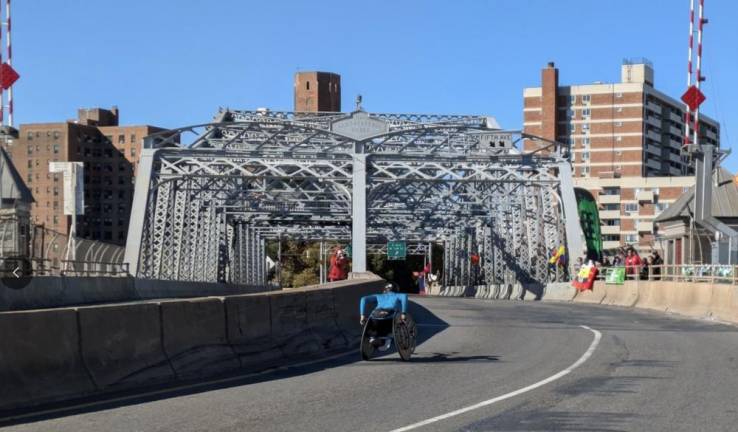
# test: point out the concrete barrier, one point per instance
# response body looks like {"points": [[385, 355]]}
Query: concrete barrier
{"points": [[249, 327], [346, 304], [724, 302], [51, 355], [122, 345], [40, 358], [31, 293], [194, 337], [533, 291], [43, 292], [92, 290], [621, 295], [559, 291], [691, 299], [322, 323], [595, 295]]}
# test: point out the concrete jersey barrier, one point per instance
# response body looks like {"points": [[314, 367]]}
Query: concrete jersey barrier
{"points": [[57, 354]]}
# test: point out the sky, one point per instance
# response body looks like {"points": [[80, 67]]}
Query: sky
{"points": [[174, 63]]}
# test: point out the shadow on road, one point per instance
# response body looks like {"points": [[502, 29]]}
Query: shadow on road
{"points": [[429, 324], [444, 358]]}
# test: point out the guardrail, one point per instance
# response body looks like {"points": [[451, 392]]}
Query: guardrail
{"points": [[93, 268], [715, 273], [29, 267]]}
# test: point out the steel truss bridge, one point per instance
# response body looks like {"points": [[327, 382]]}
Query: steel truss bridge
{"points": [[204, 211]]}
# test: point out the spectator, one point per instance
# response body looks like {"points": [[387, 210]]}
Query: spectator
{"points": [[632, 264], [338, 266], [644, 269], [656, 263]]}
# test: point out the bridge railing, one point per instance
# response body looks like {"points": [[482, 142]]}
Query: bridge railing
{"points": [[29, 267], [94, 268], [712, 273]]}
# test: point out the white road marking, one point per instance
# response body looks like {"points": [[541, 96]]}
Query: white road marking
{"points": [[552, 378]]}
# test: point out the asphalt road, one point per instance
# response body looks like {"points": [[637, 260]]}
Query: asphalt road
{"points": [[649, 372]]}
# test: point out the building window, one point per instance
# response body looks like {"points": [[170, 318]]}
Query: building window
{"points": [[586, 112], [573, 100], [586, 98], [631, 238], [133, 139], [121, 139], [620, 109], [618, 95], [133, 152], [609, 190], [630, 208], [30, 163], [56, 148], [571, 113], [618, 124], [585, 127], [585, 171], [56, 220], [585, 141], [307, 85], [30, 178], [572, 128], [585, 156], [618, 138]]}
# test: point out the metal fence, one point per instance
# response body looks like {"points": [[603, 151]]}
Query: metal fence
{"points": [[25, 267], [712, 273]]}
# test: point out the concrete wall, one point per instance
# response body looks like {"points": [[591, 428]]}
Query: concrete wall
{"points": [[694, 299], [57, 354], [58, 291]]}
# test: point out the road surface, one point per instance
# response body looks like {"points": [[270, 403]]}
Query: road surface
{"points": [[480, 366]]}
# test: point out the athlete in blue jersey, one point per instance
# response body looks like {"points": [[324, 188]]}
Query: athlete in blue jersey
{"points": [[385, 304], [387, 321]]}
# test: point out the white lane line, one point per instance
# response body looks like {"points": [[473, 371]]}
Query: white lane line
{"points": [[552, 378], [193, 386]]}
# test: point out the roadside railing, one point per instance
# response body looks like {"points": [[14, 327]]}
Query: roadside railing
{"points": [[712, 273], [93, 268], [29, 267]]}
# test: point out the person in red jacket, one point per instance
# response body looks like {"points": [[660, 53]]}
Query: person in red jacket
{"points": [[633, 263], [338, 269]]}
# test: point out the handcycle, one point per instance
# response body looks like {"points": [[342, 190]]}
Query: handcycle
{"points": [[382, 327]]}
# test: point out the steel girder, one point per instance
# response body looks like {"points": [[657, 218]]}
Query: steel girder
{"points": [[204, 210]]}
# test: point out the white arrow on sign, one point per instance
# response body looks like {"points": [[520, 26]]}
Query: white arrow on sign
{"points": [[15, 272]]}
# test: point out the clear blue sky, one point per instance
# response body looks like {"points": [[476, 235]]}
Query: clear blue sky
{"points": [[173, 63]]}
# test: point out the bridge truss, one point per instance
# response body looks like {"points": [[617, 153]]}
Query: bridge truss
{"points": [[203, 211]]}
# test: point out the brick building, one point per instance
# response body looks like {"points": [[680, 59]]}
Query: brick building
{"points": [[625, 141], [110, 154], [317, 92]]}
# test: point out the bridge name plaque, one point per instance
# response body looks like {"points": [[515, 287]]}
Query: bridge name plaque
{"points": [[359, 126]]}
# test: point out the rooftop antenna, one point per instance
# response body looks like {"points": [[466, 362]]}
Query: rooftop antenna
{"points": [[358, 103]]}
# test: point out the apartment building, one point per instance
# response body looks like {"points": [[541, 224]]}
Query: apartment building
{"points": [[625, 140], [110, 154]]}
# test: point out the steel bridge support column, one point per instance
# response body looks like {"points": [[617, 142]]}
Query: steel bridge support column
{"points": [[574, 241], [358, 226], [138, 210]]}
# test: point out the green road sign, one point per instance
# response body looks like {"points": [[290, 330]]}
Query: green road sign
{"points": [[396, 250]]}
